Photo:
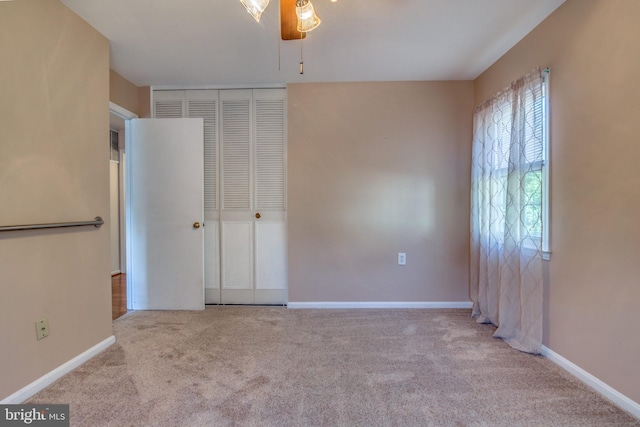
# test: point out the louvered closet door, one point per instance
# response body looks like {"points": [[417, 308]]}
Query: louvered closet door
{"points": [[270, 196], [169, 104], [253, 216], [236, 215], [204, 104]]}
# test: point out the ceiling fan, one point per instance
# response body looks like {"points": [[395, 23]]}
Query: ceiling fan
{"points": [[297, 17]]}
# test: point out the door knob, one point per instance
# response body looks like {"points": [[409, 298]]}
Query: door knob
{"points": [[258, 215], [196, 225]]}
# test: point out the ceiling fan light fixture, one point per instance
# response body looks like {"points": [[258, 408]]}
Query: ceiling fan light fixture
{"points": [[255, 7], [307, 18]]}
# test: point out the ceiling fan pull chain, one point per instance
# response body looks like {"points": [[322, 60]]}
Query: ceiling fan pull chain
{"points": [[301, 62]]}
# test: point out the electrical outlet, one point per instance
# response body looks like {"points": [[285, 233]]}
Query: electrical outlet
{"points": [[402, 258], [42, 328]]}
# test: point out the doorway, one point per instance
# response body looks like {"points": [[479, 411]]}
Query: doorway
{"points": [[118, 117]]}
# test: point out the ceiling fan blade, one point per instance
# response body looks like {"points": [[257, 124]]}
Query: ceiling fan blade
{"points": [[289, 21]]}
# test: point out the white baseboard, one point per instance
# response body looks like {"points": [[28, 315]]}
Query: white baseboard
{"points": [[115, 272], [605, 390], [45, 380], [381, 304]]}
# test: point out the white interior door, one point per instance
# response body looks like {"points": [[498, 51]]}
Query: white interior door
{"points": [[165, 202]]}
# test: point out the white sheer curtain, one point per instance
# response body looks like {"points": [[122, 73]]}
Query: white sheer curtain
{"points": [[506, 212]]}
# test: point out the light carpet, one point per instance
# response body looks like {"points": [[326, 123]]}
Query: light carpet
{"points": [[272, 366]]}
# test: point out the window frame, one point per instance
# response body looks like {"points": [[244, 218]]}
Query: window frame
{"points": [[545, 171], [546, 166]]}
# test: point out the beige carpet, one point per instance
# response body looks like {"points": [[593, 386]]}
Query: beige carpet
{"points": [[264, 366]]}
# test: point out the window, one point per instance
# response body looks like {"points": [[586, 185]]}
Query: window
{"points": [[511, 164], [546, 167], [536, 179]]}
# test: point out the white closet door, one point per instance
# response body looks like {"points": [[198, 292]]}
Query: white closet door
{"points": [[270, 196], [244, 190], [236, 215], [169, 104], [204, 104]]}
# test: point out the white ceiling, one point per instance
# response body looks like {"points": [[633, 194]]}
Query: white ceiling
{"points": [[216, 42]]}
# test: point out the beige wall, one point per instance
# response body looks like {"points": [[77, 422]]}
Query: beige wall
{"points": [[54, 167], [123, 92], [144, 102], [376, 169], [129, 96], [594, 273]]}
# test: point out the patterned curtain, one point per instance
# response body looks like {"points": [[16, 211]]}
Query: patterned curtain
{"points": [[506, 212]]}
